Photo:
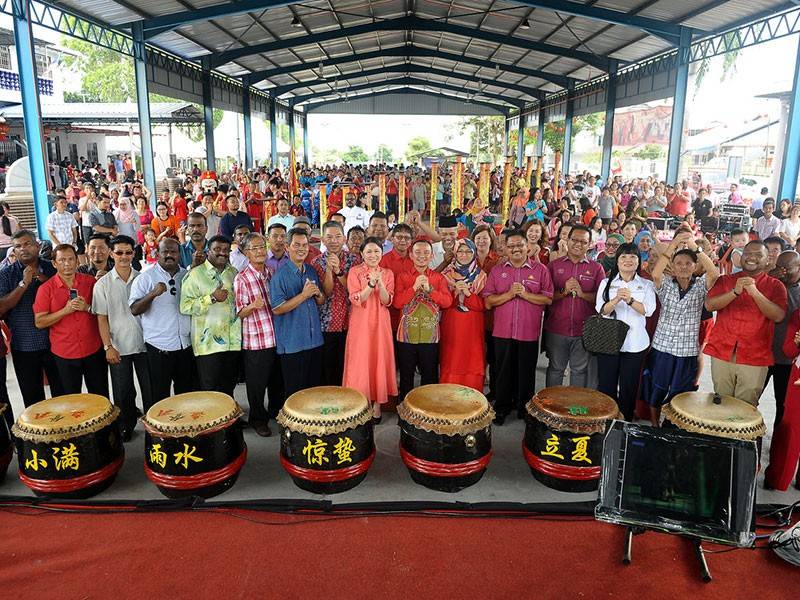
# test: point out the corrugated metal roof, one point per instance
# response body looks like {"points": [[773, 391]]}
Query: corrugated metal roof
{"points": [[107, 112]]}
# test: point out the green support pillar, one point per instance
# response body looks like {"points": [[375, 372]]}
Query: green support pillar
{"points": [[143, 106], [248, 126]]}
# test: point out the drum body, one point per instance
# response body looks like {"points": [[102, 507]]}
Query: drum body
{"points": [[194, 444], [713, 414], [327, 444], [564, 430], [445, 436], [69, 446], [6, 446]]}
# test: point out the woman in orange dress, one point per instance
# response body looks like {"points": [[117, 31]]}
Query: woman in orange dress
{"points": [[369, 352], [461, 345]]}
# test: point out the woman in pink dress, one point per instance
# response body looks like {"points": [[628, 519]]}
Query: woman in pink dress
{"points": [[145, 217], [369, 354]]}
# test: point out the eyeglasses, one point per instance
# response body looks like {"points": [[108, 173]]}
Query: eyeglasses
{"points": [[172, 289], [123, 253]]}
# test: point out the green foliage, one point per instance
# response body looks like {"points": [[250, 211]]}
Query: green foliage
{"points": [[355, 154], [384, 154], [728, 61], [326, 156], [417, 145], [650, 152], [485, 132]]}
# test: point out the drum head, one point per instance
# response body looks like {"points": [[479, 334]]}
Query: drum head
{"points": [[731, 418], [568, 408], [324, 410], [446, 408], [191, 413], [64, 417]]}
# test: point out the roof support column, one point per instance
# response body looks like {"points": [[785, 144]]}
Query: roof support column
{"points": [[248, 125], [305, 139], [143, 105], [273, 132], [290, 117], [31, 111], [791, 144], [608, 134], [521, 140], [208, 116], [507, 138], [679, 107], [568, 118], [540, 132]]}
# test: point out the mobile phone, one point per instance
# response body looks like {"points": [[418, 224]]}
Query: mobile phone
{"points": [[73, 294]]}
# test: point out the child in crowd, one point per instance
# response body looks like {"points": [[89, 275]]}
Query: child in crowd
{"points": [[150, 247], [739, 239]]}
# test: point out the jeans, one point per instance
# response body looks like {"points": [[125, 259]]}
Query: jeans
{"points": [[563, 351]]}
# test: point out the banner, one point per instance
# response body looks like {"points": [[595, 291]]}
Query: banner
{"points": [[528, 170], [506, 189], [457, 188], [434, 189], [323, 203], [539, 172], [556, 174], [294, 182], [401, 198], [382, 192], [483, 185]]}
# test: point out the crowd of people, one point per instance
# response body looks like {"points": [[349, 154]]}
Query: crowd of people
{"points": [[228, 282]]}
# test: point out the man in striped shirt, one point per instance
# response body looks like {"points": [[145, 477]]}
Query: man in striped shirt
{"points": [[62, 227], [251, 291]]}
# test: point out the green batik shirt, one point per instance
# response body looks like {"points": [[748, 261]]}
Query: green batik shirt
{"points": [[215, 326]]}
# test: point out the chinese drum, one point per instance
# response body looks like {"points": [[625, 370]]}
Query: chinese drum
{"points": [[6, 447], [69, 446], [445, 435], [712, 414], [564, 430], [326, 438], [194, 444]]}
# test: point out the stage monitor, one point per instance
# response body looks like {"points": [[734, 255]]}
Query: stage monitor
{"points": [[678, 482]]}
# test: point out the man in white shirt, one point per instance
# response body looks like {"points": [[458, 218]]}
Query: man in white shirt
{"points": [[768, 225], [62, 228], [237, 258], [353, 214], [591, 191], [283, 217], [444, 250]]}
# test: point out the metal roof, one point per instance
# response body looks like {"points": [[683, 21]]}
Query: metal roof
{"points": [[501, 51], [109, 113]]}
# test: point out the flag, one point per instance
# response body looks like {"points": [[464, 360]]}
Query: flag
{"points": [[382, 192], [294, 183], [434, 189], [483, 185], [456, 193], [401, 198], [506, 189]]}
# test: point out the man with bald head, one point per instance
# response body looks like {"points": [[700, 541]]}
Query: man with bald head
{"points": [[787, 271]]}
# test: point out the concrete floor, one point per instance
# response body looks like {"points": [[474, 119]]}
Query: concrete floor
{"points": [[508, 478]]}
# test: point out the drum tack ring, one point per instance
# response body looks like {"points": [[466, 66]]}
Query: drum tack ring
{"points": [[287, 434], [470, 442]]}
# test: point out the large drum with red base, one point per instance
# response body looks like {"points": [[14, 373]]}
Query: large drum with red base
{"points": [[194, 444], [445, 435], [6, 446], [69, 446], [564, 429], [326, 438], [714, 414]]}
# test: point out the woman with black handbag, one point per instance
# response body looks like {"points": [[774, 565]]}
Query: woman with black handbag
{"points": [[626, 296]]}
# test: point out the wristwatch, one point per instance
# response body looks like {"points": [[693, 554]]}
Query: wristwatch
{"points": [[107, 346], [631, 301], [213, 300], [22, 284]]}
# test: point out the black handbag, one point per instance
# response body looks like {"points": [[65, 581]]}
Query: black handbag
{"points": [[604, 336]]}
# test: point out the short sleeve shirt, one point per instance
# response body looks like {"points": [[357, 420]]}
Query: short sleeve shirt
{"points": [[298, 329], [678, 328], [111, 298], [25, 336]]}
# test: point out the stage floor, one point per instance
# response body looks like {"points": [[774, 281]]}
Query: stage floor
{"points": [[507, 479]]}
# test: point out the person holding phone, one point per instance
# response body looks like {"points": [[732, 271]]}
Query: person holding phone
{"points": [[63, 306]]}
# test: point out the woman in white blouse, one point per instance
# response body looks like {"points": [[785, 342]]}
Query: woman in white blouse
{"points": [[632, 299], [790, 228]]}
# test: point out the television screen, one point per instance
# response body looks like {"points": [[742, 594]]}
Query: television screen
{"points": [[667, 479]]}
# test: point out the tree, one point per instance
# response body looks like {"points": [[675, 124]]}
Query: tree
{"points": [[325, 156], [485, 136], [355, 154], [417, 145], [384, 154], [650, 152]]}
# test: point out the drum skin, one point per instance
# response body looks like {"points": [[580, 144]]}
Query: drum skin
{"points": [[6, 445], [100, 456], [202, 465], [328, 464], [467, 455]]}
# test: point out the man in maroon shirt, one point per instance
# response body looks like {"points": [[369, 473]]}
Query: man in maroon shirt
{"points": [[63, 304], [748, 305], [575, 281]]}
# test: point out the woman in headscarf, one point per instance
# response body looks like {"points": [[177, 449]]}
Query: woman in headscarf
{"points": [[644, 242], [462, 345], [128, 220]]}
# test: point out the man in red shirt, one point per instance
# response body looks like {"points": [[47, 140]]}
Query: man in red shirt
{"points": [[398, 261], [63, 304], [748, 305]]}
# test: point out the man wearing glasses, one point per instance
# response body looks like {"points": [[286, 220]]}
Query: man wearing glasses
{"points": [[575, 282], [154, 299], [121, 333]]}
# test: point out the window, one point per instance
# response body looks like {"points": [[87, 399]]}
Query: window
{"points": [[5, 58], [42, 65], [73, 154], [91, 152]]}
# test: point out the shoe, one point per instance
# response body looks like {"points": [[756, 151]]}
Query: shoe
{"points": [[768, 486], [127, 436], [521, 413], [262, 429], [499, 419], [377, 420]]}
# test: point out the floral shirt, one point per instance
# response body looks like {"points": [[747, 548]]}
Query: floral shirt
{"points": [[335, 312]]}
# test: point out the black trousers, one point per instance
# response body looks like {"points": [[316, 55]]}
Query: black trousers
{"points": [[619, 378], [218, 372], [411, 356], [167, 368], [92, 369], [780, 383], [333, 357], [516, 374], [491, 363], [276, 395], [257, 371], [125, 391], [301, 370], [8, 413], [29, 367]]}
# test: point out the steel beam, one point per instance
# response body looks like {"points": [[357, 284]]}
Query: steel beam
{"points": [[411, 24], [305, 138], [32, 114], [414, 52], [290, 118], [678, 108], [371, 93], [540, 132], [143, 106], [406, 68], [208, 117], [273, 132], [791, 145], [248, 126], [521, 140], [568, 118], [608, 133]]}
